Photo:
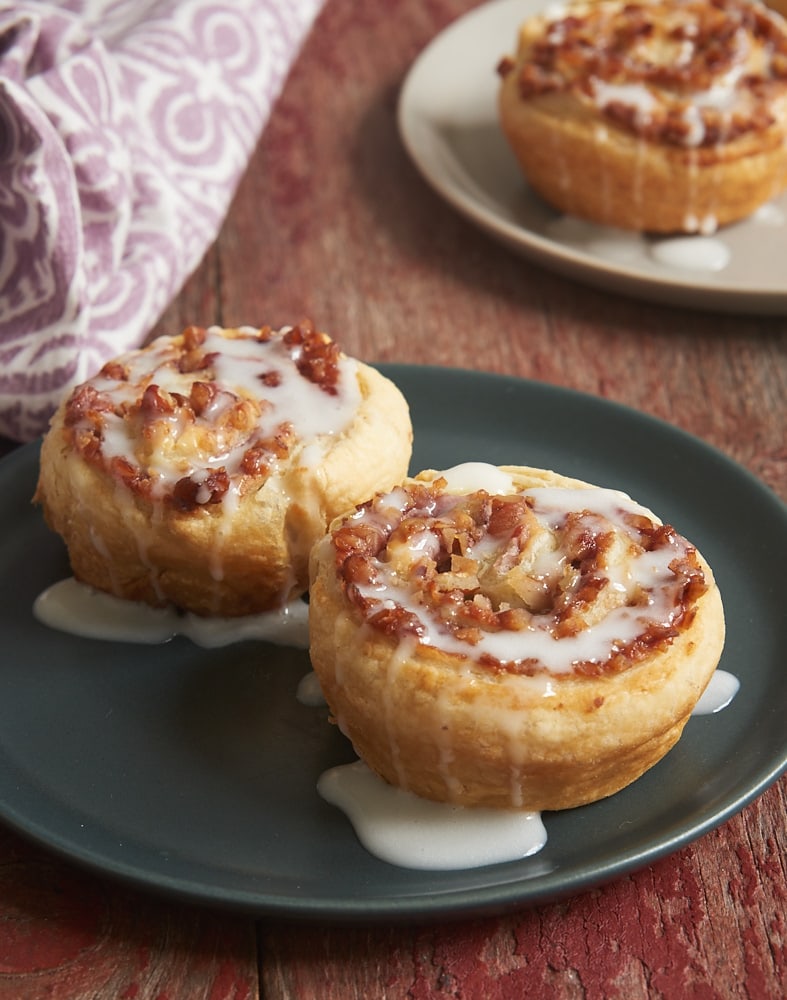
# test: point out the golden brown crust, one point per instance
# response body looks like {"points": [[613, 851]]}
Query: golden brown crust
{"points": [[655, 115], [457, 729], [215, 508]]}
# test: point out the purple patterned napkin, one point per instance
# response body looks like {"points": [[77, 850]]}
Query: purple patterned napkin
{"points": [[125, 126]]}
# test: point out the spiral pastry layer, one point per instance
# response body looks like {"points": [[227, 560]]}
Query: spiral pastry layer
{"points": [[653, 115], [509, 637], [200, 470]]}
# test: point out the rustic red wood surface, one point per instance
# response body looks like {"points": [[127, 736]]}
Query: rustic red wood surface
{"points": [[333, 222]]}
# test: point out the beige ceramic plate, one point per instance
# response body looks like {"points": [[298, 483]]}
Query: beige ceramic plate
{"points": [[448, 122]]}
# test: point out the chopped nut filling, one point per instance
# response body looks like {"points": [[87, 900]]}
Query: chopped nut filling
{"points": [[180, 421], [693, 73], [419, 560]]}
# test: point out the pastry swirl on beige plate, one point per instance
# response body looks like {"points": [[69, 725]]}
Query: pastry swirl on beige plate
{"points": [[200, 470], [655, 115], [509, 637]]}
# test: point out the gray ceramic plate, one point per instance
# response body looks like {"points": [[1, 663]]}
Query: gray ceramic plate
{"points": [[193, 771], [448, 123]]}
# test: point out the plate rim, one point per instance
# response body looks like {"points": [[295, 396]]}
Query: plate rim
{"points": [[562, 258], [495, 896]]}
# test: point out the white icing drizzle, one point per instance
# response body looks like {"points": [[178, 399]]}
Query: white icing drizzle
{"points": [[239, 365], [101, 548], [769, 215], [609, 242], [470, 477], [648, 99], [245, 371], [559, 159], [695, 124], [73, 607], [638, 188], [601, 136], [402, 829], [393, 824], [692, 223], [649, 573], [718, 694], [692, 75], [395, 662], [696, 253], [309, 691], [634, 95]]}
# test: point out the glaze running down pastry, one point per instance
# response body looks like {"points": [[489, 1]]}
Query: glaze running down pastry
{"points": [[653, 115], [200, 470], [509, 637]]}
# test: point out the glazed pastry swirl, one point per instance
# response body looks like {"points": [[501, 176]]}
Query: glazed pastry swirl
{"points": [[692, 73], [524, 582], [193, 418], [510, 637], [200, 470], [654, 115]]}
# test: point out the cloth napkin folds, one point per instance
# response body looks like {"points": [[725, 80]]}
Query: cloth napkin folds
{"points": [[125, 126]]}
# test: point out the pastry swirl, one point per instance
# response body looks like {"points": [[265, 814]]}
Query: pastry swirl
{"points": [[658, 115], [525, 641], [200, 470]]}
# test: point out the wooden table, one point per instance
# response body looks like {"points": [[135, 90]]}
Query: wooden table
{"points": [[333, 222]]}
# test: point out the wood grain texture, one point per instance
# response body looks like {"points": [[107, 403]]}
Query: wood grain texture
{"points": [[333, 222], [347, 232], [708, 922], [66, 934]]}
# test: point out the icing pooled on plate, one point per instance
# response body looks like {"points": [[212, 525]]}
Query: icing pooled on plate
{"points": [[74, 607], [403, 829]]}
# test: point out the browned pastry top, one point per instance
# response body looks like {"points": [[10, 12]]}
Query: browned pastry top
{"points": [[572, 581], [692, 73], [183, 418]]}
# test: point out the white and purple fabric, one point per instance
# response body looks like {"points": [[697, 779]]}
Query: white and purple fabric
{"points": [[125, 126]]}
